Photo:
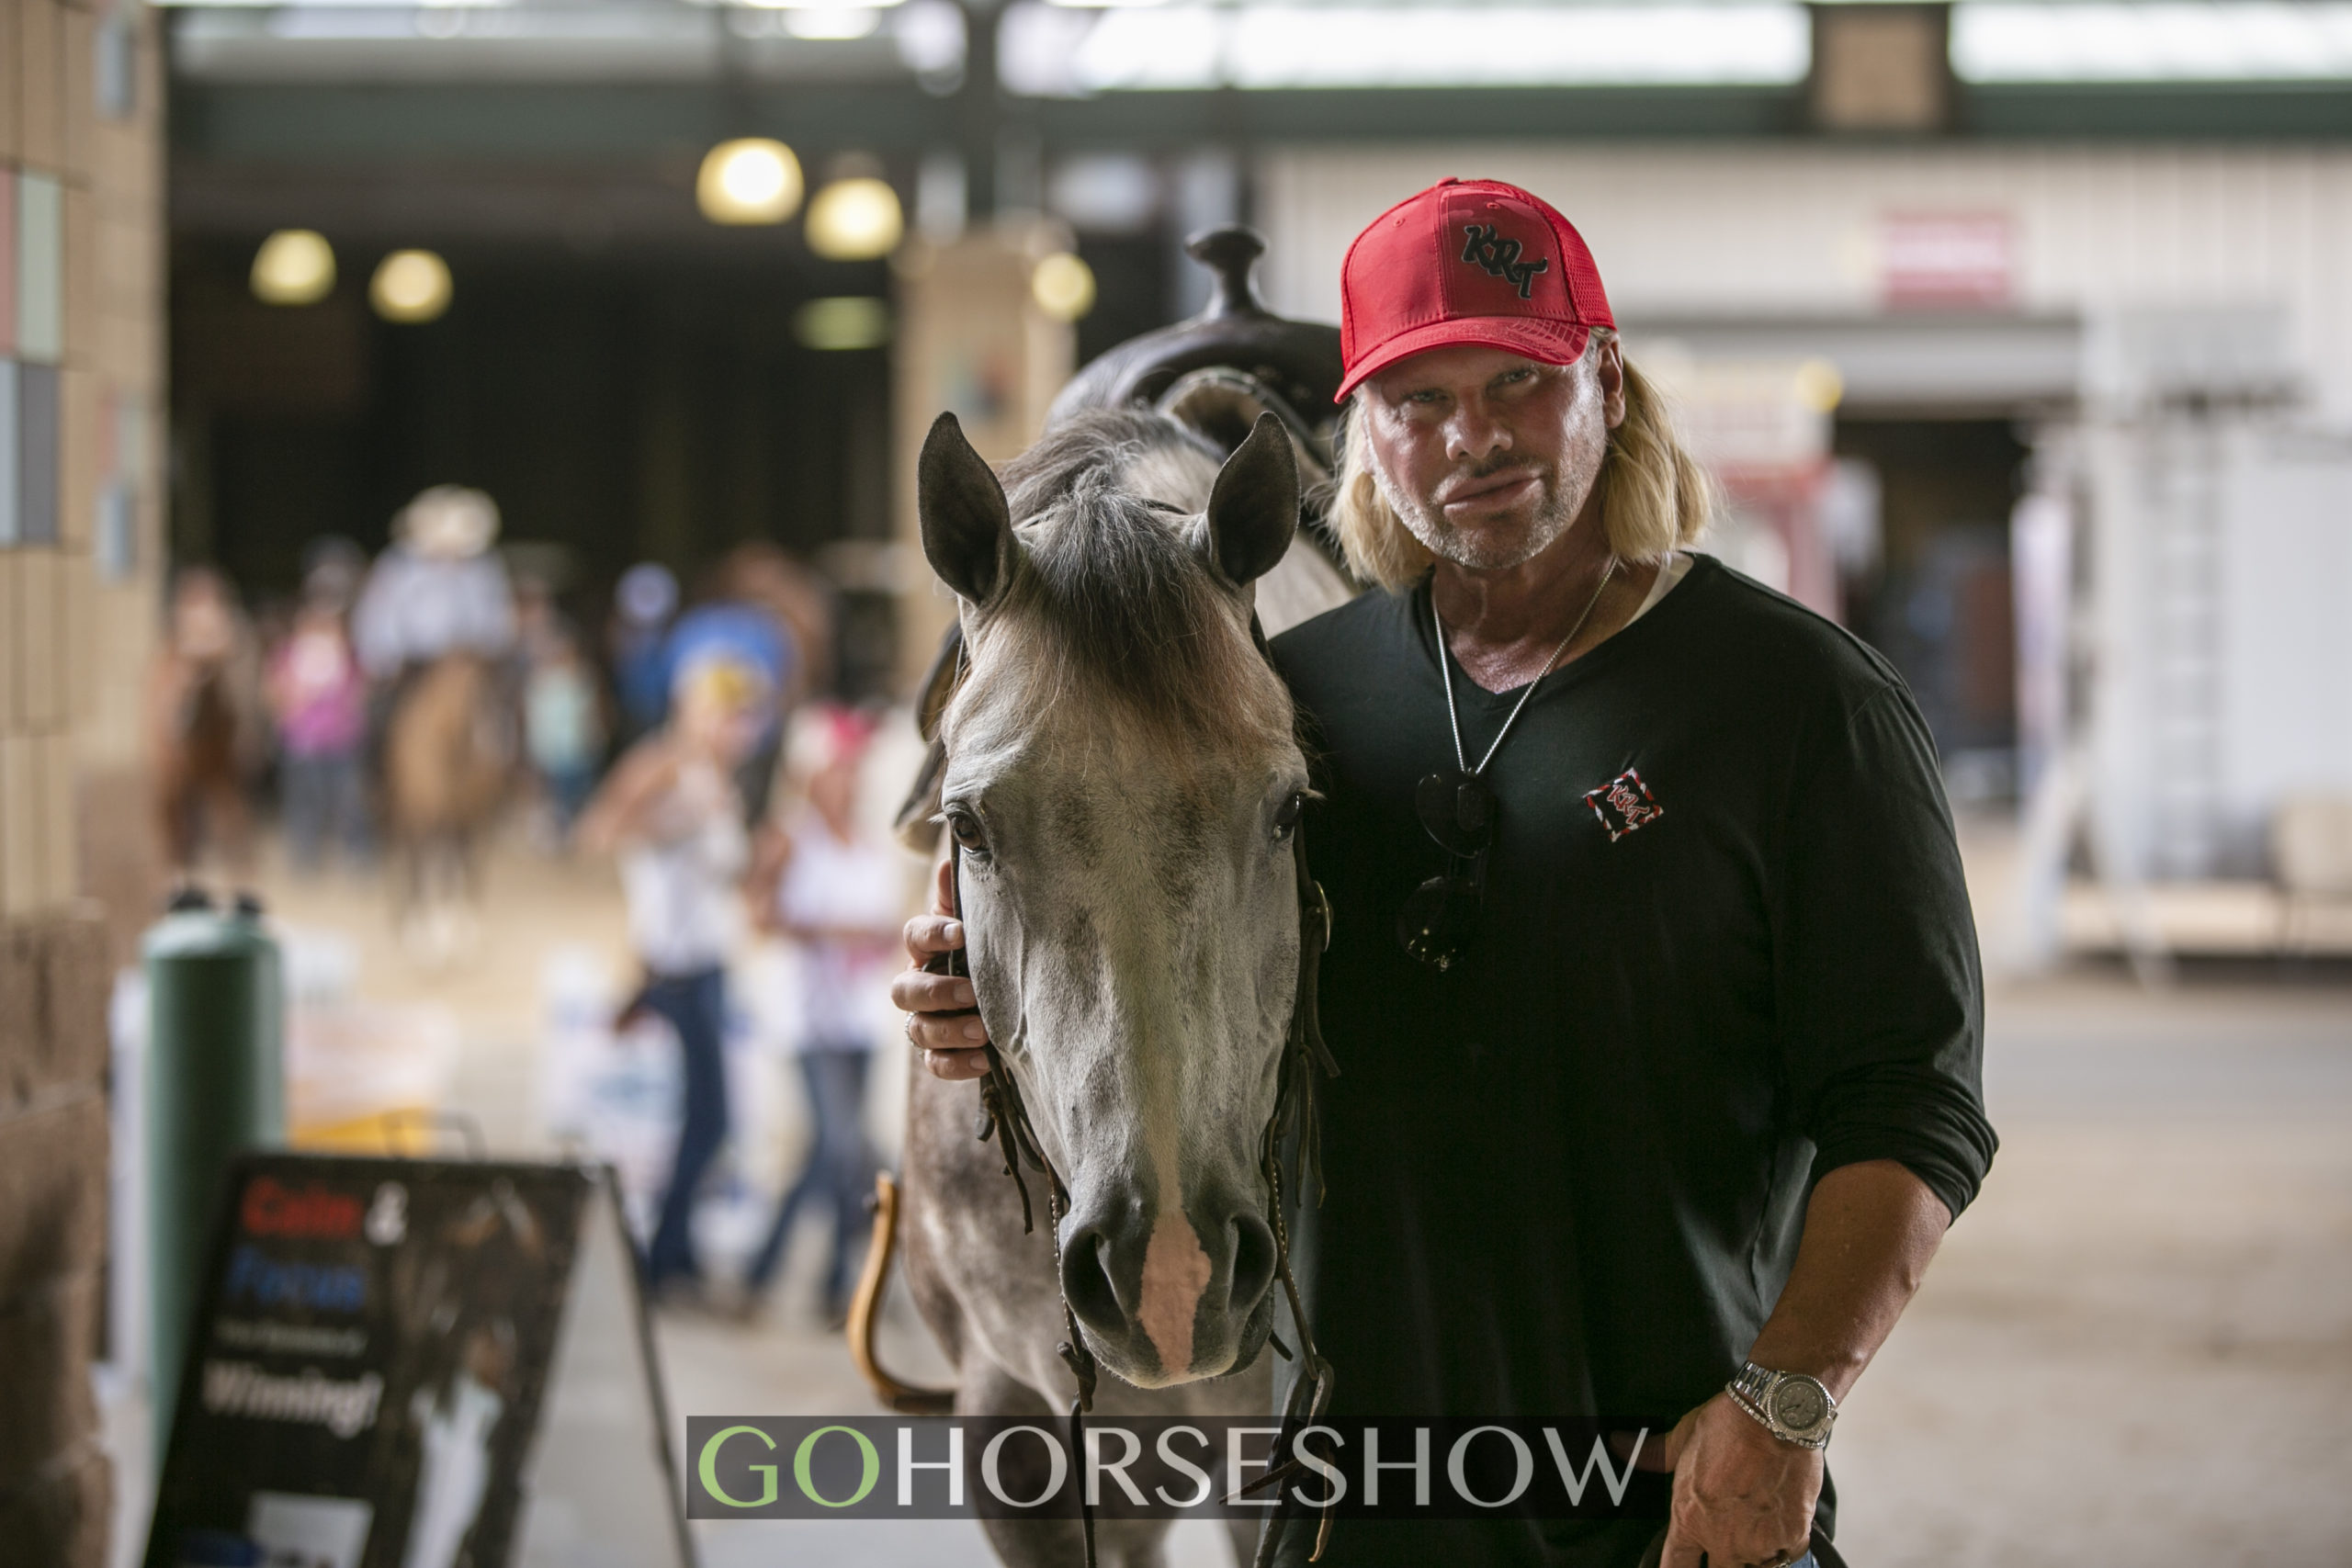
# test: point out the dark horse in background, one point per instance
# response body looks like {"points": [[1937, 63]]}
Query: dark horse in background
{"points": [[207, 737], [450, 754]]}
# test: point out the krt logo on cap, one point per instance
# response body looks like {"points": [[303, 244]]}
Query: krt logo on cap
{"points": [[1467, 261], [1500, 256]]}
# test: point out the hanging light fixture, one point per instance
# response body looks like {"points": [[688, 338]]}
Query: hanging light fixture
{"points": [[410, 287], [832, 23], [855, 219], [1063, 287], [294, 266], [750, 180]]}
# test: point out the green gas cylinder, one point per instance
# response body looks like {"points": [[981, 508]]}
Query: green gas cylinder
{"points": [[215, 1087]]}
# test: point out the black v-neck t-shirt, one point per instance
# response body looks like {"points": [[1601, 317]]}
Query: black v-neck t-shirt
{"points": [[1725, 947]]}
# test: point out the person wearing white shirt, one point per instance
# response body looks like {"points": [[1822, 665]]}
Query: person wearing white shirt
{"points": [[671, 815]]}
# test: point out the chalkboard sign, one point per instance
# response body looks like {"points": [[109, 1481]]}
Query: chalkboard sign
{"points": [[377, 1347]]}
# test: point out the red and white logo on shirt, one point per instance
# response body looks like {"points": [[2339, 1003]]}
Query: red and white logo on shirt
{"points": [[1625, 804]]}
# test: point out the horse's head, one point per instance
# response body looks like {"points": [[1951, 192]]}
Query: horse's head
{"points": [[1123, 784]]}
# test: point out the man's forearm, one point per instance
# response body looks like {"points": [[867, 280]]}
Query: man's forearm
{"points": [[1869, 1230], [1741, 1495]]}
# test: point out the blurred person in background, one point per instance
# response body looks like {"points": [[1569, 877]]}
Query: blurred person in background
{"points": [[751, 634], [434, 628], [563, 719], [436, 590], [208, 731], [761, 575], [536, 618], [334, 567], [834, 885], [643, 602], [761, 607], [671, 813], [563, 725], [319, 696]]}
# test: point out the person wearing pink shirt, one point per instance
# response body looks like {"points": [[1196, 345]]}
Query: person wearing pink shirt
{"points": [[319, 696]]}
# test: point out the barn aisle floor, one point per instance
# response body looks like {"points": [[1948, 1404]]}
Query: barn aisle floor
{"points": [[2135, 1348]]}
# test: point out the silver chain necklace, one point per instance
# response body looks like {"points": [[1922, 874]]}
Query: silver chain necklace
{"points": [[1445, 673]]}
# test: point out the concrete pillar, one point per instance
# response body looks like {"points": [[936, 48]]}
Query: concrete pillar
{"points": [[969, 342], [81, 323]]}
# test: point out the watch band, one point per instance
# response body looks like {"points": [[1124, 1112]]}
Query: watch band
{"points": [[1752, 1384], [1758, 1391]]}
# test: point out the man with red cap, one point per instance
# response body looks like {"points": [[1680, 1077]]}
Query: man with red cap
{"points": [[1653, 980]]}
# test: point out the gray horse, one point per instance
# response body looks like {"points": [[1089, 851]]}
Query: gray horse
{"points": [[1122, 783]]}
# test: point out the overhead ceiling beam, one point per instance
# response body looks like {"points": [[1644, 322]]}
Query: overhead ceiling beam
{"points": [[281, 123]]}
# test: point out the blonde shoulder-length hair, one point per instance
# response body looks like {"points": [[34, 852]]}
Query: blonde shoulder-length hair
{"points": [[1655, 499]]}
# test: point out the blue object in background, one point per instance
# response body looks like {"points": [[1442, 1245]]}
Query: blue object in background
{"points": [[217, 1549], [738, 632]]}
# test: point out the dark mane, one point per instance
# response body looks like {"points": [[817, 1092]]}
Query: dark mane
{"points": [[1111, 586]]}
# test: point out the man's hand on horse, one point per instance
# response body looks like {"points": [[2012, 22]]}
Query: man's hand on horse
{"points": [[1742, 1497], [941, 1019]]}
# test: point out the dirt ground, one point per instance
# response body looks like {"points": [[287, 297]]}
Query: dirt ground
{"points": [[2136, 1348]]}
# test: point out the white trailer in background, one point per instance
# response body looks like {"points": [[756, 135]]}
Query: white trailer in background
{"points": [[2212, 611]]}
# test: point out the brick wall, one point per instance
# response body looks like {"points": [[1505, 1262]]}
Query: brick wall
{"points": [[81, 317], [55, 1488]]}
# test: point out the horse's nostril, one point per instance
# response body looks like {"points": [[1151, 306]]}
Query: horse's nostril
{"points": [[1086, 1283], [1254, 1262]]}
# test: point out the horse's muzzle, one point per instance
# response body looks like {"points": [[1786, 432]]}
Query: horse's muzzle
{"points": [[1172, 1299]]}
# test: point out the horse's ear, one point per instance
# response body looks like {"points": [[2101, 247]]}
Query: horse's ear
{"points": [[1253, 508], [966, 526]]}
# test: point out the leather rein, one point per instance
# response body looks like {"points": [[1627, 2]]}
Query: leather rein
{"points": [[1004, 1117]]}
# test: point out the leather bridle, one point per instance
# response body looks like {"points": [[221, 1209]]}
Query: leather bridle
{"points": [[1004, 1117]]}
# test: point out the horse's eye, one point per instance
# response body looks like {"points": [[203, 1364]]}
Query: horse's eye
{"points": [[1286, 820], [966, 828]]}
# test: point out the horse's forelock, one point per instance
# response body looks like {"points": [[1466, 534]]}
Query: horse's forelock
{"points": [[1112, 598]]}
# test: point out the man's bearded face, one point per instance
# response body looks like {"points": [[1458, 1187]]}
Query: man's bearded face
{"points": [[1487, 455]]}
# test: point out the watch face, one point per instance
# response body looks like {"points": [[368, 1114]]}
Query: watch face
{"points": [[1800, 1405]]}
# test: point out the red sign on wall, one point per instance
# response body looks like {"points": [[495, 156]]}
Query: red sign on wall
{"points": [[1945, 260]]}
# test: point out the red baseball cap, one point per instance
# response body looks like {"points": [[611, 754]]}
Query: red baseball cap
{"points": [[1467, 261]]}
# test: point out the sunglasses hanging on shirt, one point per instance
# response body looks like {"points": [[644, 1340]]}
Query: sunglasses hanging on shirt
{"points": [[1458, 811]]}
